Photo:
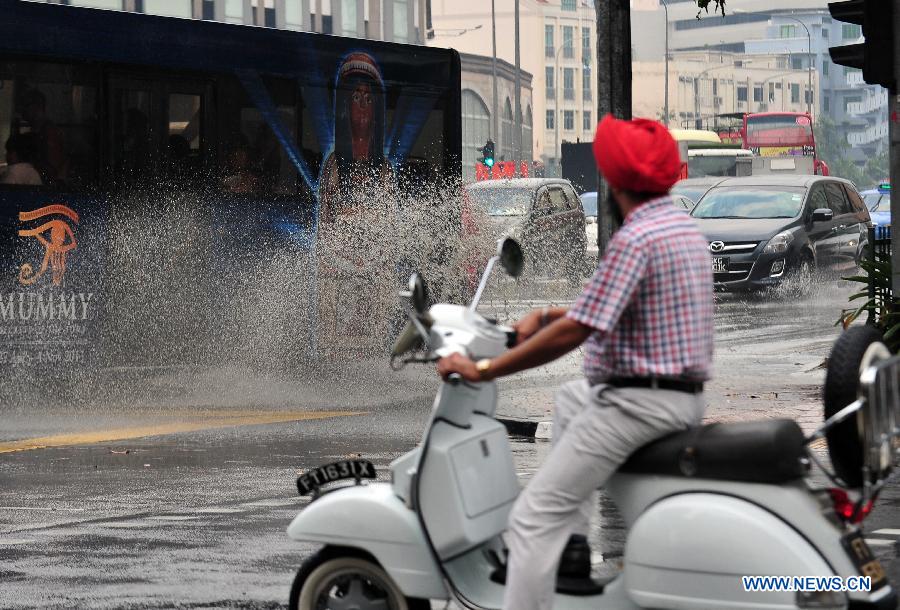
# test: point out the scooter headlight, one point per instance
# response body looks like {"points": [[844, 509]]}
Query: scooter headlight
{"points": [[779, 243]]}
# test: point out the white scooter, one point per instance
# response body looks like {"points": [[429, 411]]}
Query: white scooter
{"points": [[704, 507]]}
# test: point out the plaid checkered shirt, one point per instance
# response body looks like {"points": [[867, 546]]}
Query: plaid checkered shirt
{"points": [[650, 301]]}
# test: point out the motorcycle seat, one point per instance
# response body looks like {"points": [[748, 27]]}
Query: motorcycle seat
{"points": [[767, 451]]}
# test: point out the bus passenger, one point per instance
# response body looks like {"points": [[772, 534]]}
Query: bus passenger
{"points": [[21, 151], [51, 160], [239, 176]]}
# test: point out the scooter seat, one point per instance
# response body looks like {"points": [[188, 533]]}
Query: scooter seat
{"points": [[768, 451]]}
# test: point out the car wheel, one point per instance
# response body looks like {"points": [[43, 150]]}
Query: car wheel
{"points": [[334, 582], [845, 444], [799, 276]]}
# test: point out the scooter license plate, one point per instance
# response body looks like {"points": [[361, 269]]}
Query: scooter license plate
{"points": [[345, 469], [863, 558]]}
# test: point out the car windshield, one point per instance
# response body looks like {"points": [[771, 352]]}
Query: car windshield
{"points": [[750, 202], [589, 203], [699, 166], [502, 201], [876, 205], [693, 193]]}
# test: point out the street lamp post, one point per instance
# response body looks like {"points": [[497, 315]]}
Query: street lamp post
{"points": [[666, 111], [809, 66], [556, 149], [494, 68]]}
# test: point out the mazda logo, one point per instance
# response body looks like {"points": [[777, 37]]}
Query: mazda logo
{"points": [[716, 246]]}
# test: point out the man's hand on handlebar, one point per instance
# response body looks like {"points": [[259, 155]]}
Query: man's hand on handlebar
{"points": [[457, 363]]}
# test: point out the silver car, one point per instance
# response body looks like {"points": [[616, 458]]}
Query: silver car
{"points": [[543, 214]]}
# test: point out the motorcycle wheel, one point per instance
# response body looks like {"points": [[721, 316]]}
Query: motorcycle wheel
{"points": [[845, 445], [329, 582]]}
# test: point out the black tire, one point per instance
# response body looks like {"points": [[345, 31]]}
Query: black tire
{"points": [[330, 560], [845, 444]]}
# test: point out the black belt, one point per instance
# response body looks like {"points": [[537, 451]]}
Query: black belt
{"points": [[691, 387]]}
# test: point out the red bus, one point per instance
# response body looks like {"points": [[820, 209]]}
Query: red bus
{"points": [[780, 134]]}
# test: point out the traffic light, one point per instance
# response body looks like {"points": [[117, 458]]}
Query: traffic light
{"points": [[875, 56], [487, 153]]}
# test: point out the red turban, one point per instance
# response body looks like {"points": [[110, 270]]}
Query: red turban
{"points": [[638, 155]]}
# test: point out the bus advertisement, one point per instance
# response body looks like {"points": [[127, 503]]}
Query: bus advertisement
{"points": [[213, 187], [781, 134]]}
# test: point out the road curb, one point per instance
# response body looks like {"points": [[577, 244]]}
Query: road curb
{"points": [[528, 428]]}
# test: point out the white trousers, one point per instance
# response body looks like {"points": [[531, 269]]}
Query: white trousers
{"points": [[595, 429]]}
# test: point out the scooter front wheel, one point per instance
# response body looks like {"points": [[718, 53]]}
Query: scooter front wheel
{"points": [[345, 583]]}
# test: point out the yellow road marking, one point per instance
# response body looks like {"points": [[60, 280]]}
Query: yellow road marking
{"points": [[208, 420]]}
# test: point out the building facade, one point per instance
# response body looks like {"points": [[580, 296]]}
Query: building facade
{"points": [[704, 85], [557, 47], [796, 36], [477, 95], [390, 20]]}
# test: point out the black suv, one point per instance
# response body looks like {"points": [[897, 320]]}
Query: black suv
{"points": [[762, 229]]}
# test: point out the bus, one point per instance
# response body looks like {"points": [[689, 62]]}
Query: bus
{"points": [[781, 134], [183, 180]]}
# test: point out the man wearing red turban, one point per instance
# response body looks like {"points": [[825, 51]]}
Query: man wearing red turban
{"points": [[646, 321]]}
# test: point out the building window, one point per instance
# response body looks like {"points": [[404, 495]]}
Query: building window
{"points": [[715, 86], [796, 63], [401, 27], [586, 121], [795, 93], [568, 5], [550, 123], [849, 71], [742, 94], [527, 137], [771, 93], [169, 8], [234, 11], [787, 31], [852, 99], [808, 96], [549, 51], [825, 67], [568, 120], [348, 17], [757, 93], [569, 83], [824, 32], [507, 142], [586, 83], [568, 40], [108, 4], [209, 10], [548, 78], [850, 30], [476, 128], [586, 45], [826, 104]]}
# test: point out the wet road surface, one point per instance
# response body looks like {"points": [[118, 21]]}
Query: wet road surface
{"points": [[194, 514]]}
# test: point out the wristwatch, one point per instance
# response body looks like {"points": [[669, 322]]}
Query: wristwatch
{"points": [[482, 366]]}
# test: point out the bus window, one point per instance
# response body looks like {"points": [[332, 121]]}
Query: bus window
{"points": [[255, 159], [48, 118], [132, 133], [183, 129]]}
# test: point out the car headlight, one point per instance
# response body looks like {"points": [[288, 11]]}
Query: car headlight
{"points": [[779, 243]]}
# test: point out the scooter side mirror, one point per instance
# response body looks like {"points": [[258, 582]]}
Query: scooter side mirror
{"points": [[511, 257], [417, 293]]}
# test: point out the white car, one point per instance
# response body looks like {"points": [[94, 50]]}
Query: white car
{"points": [[589, 203]]}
